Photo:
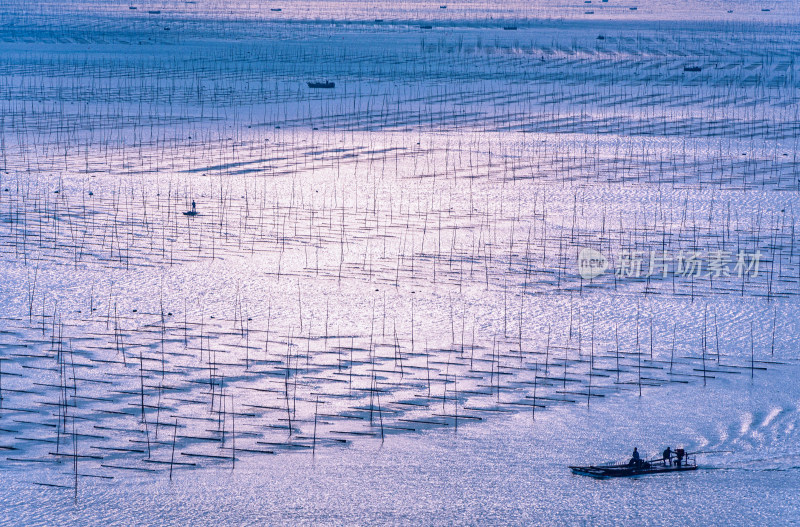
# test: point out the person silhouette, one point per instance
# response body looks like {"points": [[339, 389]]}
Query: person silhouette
{"points": [[635, 459], [679, 455]]}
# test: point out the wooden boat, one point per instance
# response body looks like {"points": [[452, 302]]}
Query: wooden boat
{"points": [[190, 213], [626, 470], [326, 84], [694, 69]]}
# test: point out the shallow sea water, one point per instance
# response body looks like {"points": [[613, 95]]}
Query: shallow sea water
{"points": [[394, 256], [509, 471]]}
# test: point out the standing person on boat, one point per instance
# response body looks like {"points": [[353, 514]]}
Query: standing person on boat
{"points": [[667, 456], [194, 207], [679, 453], [635, 459]]}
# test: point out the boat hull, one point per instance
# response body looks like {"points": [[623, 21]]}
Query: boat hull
{"points": [[627, 471]]}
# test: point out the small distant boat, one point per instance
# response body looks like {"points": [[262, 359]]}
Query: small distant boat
{"points": [[276, 9], [190, 213], [426, 27], [627, 470], [325, 85], [510, 28], [693, 69], [154, 12]]}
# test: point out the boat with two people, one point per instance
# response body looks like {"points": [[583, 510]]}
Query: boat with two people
{"points": [[677, 460]]}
